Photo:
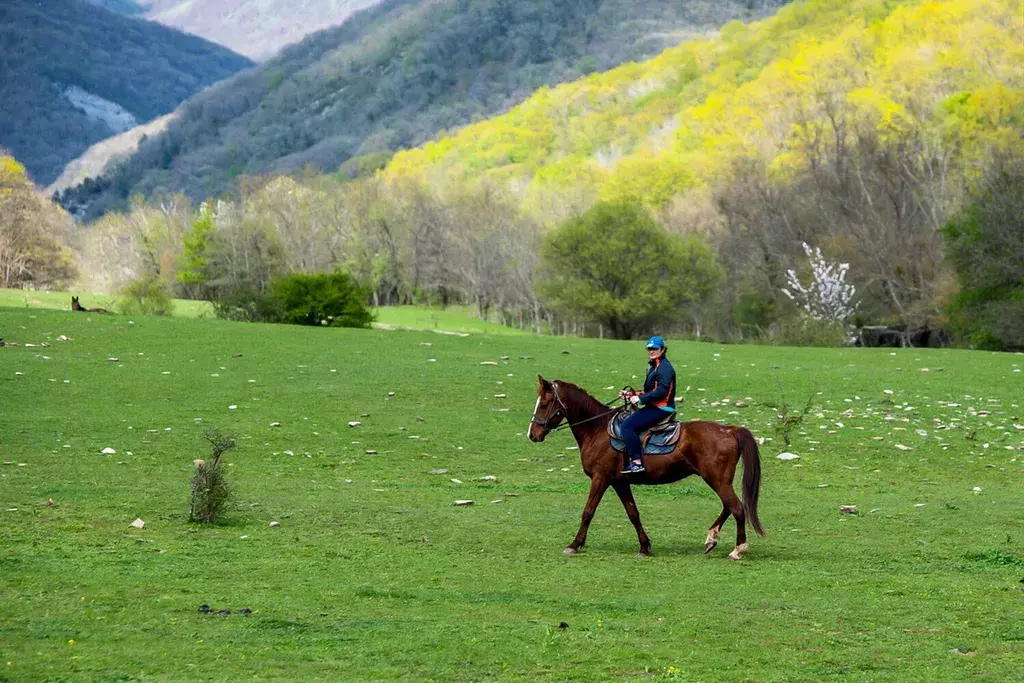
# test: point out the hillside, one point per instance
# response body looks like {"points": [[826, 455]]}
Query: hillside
{"points": [[257, 29], [676, 123], [74, 73], [106, 154], [394, 76]]}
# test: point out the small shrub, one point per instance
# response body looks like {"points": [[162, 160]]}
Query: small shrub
{"points": [[145, 296], [210, 490], [242, 301]]}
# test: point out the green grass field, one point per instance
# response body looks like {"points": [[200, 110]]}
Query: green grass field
{"points": [[374, 574], [454, 319]]}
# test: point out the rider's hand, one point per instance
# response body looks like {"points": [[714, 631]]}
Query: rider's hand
{"points": [[634, 399]]}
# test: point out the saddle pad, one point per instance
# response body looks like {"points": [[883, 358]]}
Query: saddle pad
{"points": [[615, 425], [661, 440]]}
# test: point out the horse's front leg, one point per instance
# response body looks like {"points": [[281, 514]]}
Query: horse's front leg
{"points": [[598, 485], [626, 496]]}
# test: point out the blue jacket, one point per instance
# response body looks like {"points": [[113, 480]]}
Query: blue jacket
{"points": [[660, 385]]}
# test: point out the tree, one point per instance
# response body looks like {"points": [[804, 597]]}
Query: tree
{"points": [[194, 273], [617, 266], [985, 244], [33, 233]]}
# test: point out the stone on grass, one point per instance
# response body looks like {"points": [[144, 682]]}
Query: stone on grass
{"points": [[275, 424], [108, 451], [848, 509], [355, 424], [274, 524], [138, 523], [787, 456], [489, 362], [463, 502]]}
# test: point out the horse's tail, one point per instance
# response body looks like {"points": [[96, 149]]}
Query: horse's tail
{"points": [[751, 476]]}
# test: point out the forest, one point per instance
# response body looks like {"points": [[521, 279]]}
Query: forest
{"points": [[392, 76]]}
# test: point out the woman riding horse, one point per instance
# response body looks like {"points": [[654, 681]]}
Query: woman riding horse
{"points": [[657, 398]]}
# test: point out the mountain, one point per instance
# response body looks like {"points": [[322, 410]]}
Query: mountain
{"points": [[255, 28], [946, 74], [123, 6], [394, 76], [106, 154], [73, 73]]}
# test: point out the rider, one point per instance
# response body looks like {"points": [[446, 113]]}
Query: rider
{"points": [[658, 397]]}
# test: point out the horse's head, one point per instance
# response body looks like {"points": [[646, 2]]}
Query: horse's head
{"points": [[548, 412]]}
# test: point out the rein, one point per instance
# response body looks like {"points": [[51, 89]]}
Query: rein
{"points": [[565, 413]]}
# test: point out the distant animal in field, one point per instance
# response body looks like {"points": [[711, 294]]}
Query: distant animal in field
{"points": [[75, 306]]}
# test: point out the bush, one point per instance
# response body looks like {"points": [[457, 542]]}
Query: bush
{"points": [[210, 491], [145, 296], [320, 298], [242, 302]]}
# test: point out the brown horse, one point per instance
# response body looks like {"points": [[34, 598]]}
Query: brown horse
{"points": [[75, 306], [708, 449]]}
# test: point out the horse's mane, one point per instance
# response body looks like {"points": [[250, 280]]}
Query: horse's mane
{"points": [[576, 398]]}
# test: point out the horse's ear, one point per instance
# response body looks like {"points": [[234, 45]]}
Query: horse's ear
{"points": [[544, 385]]}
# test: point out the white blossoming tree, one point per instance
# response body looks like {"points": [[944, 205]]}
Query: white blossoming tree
{"points": [[828, 297]]}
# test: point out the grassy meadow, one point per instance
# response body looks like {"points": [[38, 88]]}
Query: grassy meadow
{"points": [[457, 319], [374, 574]]}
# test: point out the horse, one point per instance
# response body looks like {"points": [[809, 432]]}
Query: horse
{"points": [[708, 449], [75, 306]]}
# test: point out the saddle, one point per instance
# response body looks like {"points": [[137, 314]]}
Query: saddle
{"points": [[660, 439]]}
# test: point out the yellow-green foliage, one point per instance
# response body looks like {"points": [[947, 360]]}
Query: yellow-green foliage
{"points": [[948, 69]]}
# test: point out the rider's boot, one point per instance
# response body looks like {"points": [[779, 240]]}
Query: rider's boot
{"points": [[634, 467]]}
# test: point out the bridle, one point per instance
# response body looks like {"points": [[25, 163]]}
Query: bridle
{"points": [[563, 411]]}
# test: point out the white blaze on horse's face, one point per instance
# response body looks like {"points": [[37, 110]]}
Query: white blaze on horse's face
{"points": [[534, 416]]}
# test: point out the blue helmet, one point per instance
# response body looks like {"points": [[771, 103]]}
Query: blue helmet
{"points": [[655, 342]]}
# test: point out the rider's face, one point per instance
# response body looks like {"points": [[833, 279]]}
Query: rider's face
{"points": [[655, 353]]}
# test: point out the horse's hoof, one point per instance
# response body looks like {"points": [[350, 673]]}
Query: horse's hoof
{"points": [[642, 555], [570, 551], [709, 546], [737, 553]]}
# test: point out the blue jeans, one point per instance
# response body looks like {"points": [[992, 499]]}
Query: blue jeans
{"points": [[636, 424]]}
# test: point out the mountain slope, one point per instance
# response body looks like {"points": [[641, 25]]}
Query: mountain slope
{"points": [[106, 153], [949, 70], [257, 29], [73, 73], [393, 76]]}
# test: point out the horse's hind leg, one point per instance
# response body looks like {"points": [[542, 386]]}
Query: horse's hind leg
{"points": [[626, 496], [732, 501], [715, 532]]}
